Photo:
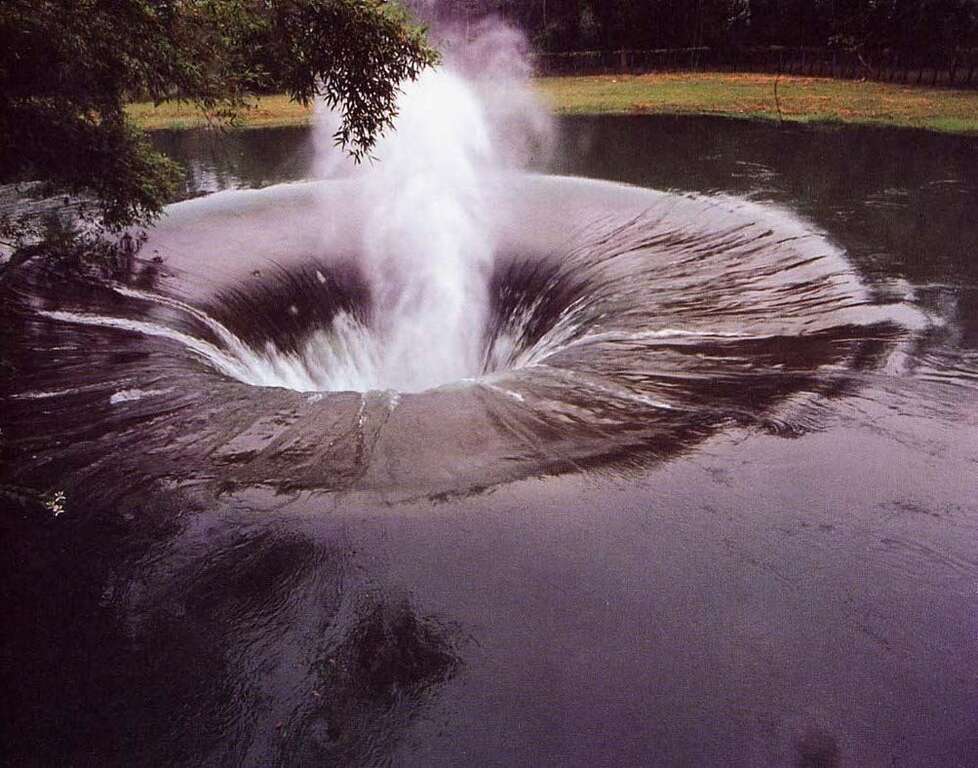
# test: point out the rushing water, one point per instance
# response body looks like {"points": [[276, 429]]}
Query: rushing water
{"points": [[700, 493]]}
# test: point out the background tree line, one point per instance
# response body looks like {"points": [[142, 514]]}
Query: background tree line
{"points": [[919, 27]]}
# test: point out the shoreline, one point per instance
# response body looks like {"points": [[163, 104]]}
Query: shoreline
{"points": [[800, 100]]}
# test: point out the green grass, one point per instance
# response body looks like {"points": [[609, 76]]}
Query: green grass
{"points": [[267, 112], [803, 99]]}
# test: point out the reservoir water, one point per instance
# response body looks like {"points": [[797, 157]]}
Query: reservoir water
{"points": [[697, 487]]}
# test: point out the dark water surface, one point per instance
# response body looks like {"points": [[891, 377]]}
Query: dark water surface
{"points": [[713, 501]]}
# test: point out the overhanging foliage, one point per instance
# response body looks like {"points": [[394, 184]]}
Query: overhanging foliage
{"points": [[68, 67]]}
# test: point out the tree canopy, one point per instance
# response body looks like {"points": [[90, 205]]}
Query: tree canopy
{"points": [[68, 68], [924, 26]]}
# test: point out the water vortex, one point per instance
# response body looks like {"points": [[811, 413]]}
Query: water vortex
{"points": [[622, 326]]}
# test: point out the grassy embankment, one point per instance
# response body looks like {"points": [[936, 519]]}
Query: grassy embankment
{"points": [[803, 99]]}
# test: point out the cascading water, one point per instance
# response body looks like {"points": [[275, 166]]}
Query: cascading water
{"points": [[605, 323], [427, 245], [427, 248]]}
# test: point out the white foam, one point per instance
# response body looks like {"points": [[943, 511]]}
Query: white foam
{"points": [[428, 242]]}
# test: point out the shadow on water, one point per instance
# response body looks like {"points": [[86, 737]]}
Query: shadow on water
{"points": [[159, 632], [818, 750]]}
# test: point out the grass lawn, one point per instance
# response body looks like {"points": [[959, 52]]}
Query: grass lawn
{"points": [[268, 112], [803, 99]]}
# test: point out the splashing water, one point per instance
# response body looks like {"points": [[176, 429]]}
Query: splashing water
{"points": [[427, 246], [427, 217]]}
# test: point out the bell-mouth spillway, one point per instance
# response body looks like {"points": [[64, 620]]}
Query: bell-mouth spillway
{"points": [[617, 324]]}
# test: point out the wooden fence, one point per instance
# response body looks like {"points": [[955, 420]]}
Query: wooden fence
{"points": [[956, 68]]}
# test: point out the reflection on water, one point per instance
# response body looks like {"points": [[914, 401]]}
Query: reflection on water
{"points": [[900, 202], [214, 160], [256, 576]]}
